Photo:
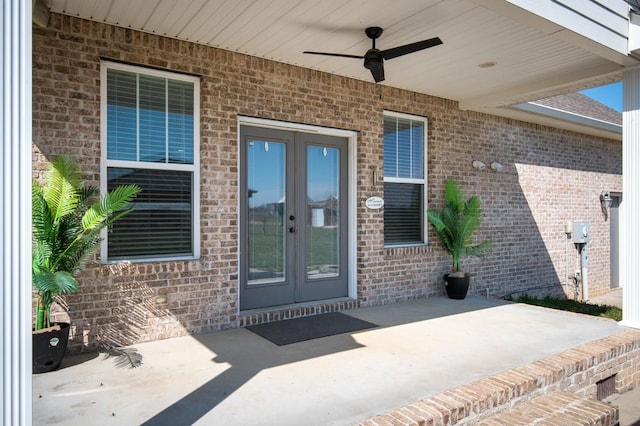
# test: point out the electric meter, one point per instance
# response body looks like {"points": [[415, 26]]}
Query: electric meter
{"points": [[580, 232]]}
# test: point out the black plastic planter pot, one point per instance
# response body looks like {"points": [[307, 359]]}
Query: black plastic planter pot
{"points": [[457, 287], [49, 348]]}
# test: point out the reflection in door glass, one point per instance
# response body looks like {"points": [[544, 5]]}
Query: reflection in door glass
{"points": [[323, 212], [266, 200]]}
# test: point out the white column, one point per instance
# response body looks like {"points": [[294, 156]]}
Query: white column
{"points": [[15, 211], [630, 206]]}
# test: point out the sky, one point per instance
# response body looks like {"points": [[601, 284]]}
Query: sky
{"points": [[610, 95]]}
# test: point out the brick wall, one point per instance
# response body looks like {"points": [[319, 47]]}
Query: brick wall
{"points": [[549, 176]]}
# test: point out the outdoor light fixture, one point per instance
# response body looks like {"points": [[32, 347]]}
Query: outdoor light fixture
{"points": [[40, 13], [605, 203], [479, 165]]}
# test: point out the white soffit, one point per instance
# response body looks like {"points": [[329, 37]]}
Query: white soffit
{"points": [[534, 57]]}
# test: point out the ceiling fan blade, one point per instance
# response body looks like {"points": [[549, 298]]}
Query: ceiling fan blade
{"points": [[340, 55], [377, 72], [394, 52]]}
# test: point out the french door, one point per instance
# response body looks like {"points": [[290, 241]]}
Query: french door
{"points": [[293, 230]]}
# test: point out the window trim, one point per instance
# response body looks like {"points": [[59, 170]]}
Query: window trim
{"points": [[194, 168], [423, 181]]}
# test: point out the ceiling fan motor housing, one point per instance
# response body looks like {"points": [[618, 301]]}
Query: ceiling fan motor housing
{"points": [[372, 59]]}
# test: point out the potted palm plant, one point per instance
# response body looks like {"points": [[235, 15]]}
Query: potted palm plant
{"points": [[67, 219], [455, 224]]}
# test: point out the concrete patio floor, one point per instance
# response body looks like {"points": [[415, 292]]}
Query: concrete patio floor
{"points": [[613, 298], [238, 378]]}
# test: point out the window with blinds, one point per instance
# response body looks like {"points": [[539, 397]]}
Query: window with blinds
{"points": [[150, 138], [404, 179]]}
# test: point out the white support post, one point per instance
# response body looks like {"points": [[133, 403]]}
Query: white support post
{"points": [[15, 212], [630, 206]]}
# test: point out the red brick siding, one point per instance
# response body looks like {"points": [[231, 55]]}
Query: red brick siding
{"points": [[550, 176]]}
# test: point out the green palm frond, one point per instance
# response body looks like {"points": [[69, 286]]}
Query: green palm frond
{"points": [[61, 192], [67, 220], [49, 286], [453, 194], [456, 223], [100, 213], [55, 283]]}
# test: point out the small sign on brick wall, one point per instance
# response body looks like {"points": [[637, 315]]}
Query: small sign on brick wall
{"points": [[374, 203]]}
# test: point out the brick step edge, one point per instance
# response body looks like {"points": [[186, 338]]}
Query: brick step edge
{"points": [[576, 370], [557, 408]]}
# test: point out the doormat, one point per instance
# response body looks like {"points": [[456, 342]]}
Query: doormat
{"points": [[296, 330]]}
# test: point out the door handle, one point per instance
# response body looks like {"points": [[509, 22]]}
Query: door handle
{"points": [[292, 229]]}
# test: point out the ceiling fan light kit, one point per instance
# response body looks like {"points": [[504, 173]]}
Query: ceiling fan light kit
{"points": [[374, 58]]}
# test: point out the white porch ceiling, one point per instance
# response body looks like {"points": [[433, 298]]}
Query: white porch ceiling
{"points": [[533, 57]]}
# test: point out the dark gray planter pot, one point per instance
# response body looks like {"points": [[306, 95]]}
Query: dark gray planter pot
{"points": [[457, 287], [49, 348]]}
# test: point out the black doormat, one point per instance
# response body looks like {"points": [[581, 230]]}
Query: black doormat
{"points": [[307, 328]]}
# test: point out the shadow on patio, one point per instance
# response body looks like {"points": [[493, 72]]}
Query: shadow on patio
{"points": [[420, 349]]}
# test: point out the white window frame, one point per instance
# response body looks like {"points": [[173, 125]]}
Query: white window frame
{"points": [[423, 181], [194, 168]]}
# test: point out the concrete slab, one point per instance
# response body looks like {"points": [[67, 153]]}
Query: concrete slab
{"points": [[613, 298], [628, 405], [235, 377]]}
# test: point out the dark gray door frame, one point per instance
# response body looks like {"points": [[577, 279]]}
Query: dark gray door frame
{"points": [[295, 287]]}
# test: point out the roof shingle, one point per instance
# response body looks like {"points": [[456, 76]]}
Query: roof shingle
{"points": [[577, 103]]}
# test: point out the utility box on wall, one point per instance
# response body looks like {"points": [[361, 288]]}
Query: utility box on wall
{"points": [[580, 232]]}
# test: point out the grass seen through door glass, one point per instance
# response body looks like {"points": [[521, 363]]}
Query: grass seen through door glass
{"points": [[267, 239], [604, 311]]}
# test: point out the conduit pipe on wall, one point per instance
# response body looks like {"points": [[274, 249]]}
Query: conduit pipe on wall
{"points": [[584, 271]]}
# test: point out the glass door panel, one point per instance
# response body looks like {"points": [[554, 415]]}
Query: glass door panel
{"points": [[267, 227], [323, 212], [322, 265]]}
